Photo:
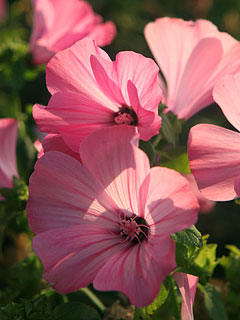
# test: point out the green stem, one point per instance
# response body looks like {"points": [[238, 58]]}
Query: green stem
{"points": [[157, 140], [94, 298], [16, 106]]}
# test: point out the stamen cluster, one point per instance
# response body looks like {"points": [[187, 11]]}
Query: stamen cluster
{"points": [[126, 115], [133, 229]]}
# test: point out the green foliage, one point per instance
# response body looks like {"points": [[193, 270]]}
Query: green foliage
{"points": [[190, 237], [176, 158], [35, 309], [213, 303], [147, 147], [205, 262], [231, 266], [188, 245], [13, 54], [171, 127], [21, 280], [12, 311], [75, 311], [13, 213], [147, 312], [194, 255]]}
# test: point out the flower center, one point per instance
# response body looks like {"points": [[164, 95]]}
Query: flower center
{"points": [[133, 229], [126, 115]]}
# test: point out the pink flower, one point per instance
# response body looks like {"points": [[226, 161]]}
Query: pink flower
{"points": [[206, 205], [192, 57], [58, 24], [109, 220], [8, 165], [187, 284], [90, 91], [213, 151]]}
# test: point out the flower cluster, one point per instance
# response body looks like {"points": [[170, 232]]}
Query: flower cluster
{"points": [[95, 205], [99, 211]]}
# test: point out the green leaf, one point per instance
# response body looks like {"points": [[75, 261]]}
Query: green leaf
{"points": [[213, 303], [12, 311], [168, 130], [231, 265], [180, 163], [150, 309], [171, 127], [191, 237], [188, 245], [234, 250], [13, 214], [75, 311], [147, 147], [176, 159], [205, 263]]}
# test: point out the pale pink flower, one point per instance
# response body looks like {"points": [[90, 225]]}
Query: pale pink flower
{"points": [[58, 24], [213, 151], [192, 57], [108, 221], [8, 165], [90, 91], [187, 284], [205, 204]]}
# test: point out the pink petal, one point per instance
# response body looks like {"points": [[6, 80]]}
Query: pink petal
{"points": [[70, 71], [38, 146], [200, 66], [73, 115], [117, 163], [206, 205], [171, 41], [149, 122], [171, 205], [54, 31], [237, 186], [191, 69], [54, 142], [214, 164], [187, 284], [103, 33], [139, 271], [8, 140], [226, 93], [43, 19], [143, 73], [106, 77], [73, 255], [62, 193]]}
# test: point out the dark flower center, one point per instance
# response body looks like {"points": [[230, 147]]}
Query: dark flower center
{"points": [[126, 115], [133, 229]]}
